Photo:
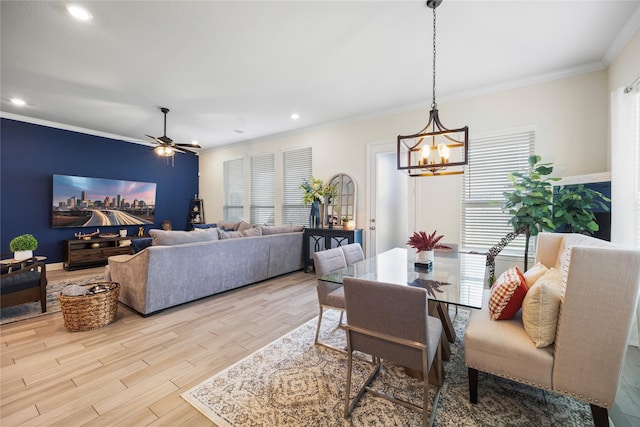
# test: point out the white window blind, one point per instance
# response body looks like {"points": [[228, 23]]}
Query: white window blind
{"points": [[491, 160], [296, 168], [233, 207], [263, 189]]}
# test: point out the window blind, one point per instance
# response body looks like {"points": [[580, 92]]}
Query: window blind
{"points": [[263, 189], [491, 160], [296, 168], [637, 165], [233, 206]]}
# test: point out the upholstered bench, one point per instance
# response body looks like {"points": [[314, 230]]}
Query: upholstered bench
{"points": [[597, 296]]}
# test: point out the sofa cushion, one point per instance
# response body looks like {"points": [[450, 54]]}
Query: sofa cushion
{"points": [[250, 232], [276, 229], [532, 275], [540, 308], [507, 294], [228, 226], [169, 238], [20, 282]]}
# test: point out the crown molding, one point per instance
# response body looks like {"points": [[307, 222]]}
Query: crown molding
{"points": [[630, 28]]}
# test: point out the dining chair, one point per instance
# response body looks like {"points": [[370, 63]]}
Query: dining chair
{"points": [[22, 282], [352, 253], [330, 295], [390, 322]]}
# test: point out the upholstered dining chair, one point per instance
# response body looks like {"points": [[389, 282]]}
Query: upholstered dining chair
{"points": [[352, 253], [330, 295], [390, 322], [22, 282]]}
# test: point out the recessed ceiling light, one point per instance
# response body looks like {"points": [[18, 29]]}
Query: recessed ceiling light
{"points": [[295, 116], [19, 102], [194, 142], [80, 13]]}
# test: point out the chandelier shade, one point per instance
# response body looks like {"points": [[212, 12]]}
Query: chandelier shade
{"points": [[435, 150]]}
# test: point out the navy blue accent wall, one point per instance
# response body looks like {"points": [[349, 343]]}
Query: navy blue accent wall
{"points": [[31, 154]]}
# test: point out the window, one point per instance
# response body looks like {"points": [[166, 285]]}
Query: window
{"points": [[296, 168], [263, 189], [233, 208], [491, 160]]}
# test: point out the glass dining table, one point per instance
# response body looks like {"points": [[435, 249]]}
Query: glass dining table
{"points": [[454, 279]]}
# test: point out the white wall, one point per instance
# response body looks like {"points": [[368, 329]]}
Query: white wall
{"points": [[570, 115]]}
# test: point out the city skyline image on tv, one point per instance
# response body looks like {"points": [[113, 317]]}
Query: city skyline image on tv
{"points": [[99, 202]]}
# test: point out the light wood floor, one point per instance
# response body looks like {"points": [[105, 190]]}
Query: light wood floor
{"points": [[133, 371]]}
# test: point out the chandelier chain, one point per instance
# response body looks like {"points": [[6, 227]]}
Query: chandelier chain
{"points": [[433, 103]]}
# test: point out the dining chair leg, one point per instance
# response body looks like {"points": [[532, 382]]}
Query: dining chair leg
{"points": [[315, 340]]}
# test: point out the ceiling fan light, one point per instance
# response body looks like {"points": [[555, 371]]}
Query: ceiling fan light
{"points": [[164, 151]]}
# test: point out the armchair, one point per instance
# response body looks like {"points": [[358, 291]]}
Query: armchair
{"points": [[22, 282]]}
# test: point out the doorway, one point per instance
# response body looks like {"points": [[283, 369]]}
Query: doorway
{"points": [[390, 200]]}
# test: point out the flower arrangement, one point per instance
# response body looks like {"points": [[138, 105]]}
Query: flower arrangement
{"points": [[25, 242], [426, 242], [315, 191]]}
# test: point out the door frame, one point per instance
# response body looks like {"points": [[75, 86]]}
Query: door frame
{"points": [[372, 150]]}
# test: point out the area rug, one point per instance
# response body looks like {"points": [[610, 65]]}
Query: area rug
{"points": [[33, 309], [291, 382]]}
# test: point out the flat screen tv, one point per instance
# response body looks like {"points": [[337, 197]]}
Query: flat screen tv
{"points": [[80, 201]]}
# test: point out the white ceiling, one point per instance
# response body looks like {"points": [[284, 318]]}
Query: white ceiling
{"points": [[229, 66]]}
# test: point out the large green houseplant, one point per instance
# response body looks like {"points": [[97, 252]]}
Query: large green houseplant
{"points": [[573, 207], [531, 201]]}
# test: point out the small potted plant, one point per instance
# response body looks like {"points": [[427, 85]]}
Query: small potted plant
{"points": [[425, 244], [23, 246]]}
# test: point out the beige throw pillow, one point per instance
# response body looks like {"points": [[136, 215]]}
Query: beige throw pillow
{"points": [[534, 273], [540, 308]]}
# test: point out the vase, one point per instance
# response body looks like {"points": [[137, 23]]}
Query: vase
{"points": [[314, 215], [425, 257], [22, 255]]}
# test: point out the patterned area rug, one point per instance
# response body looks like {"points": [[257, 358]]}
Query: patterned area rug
{"points": [[33, 309], [291, 382]]}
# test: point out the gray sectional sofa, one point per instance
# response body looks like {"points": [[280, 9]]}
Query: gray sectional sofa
{"points": [[184, 266]]}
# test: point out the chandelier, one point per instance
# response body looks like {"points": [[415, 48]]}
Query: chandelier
{"points": [[435, 150]]}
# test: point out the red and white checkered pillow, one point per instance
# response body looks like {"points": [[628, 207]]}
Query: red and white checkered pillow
{"points": [[507, 294]]}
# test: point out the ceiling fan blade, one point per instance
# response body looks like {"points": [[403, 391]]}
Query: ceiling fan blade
{"points": [[156, 140], [184, 150], [189, 145]]}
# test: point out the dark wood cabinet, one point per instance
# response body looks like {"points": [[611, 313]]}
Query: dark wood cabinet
{"points": [[79, 253], [320, 239]]}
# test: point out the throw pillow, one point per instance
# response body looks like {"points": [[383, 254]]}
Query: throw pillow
{"points": [[540, 309], [224, 235], [252, 232], [195, 226], [532, 275], [242, 226], [507, 294]]}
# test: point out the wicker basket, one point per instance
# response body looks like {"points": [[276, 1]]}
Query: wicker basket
{"points": [[86, 312]]}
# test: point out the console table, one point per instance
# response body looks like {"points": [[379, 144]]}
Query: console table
{"points": [[80, 253], [320, 239]]}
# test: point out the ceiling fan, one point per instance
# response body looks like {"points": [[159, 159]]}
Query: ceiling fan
{"points": [[165, 145]]}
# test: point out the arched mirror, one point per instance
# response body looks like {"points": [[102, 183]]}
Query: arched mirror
{"points": [[342, 207]]}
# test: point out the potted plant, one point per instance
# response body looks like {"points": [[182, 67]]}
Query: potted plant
{"points": [[425, 244], [315, 193], [573, 207], [530, 201], [23, 246]]}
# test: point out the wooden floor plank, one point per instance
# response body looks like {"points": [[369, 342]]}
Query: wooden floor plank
{"points": [[133, 371]]}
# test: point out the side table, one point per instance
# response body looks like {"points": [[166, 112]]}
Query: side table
{"points": [[320, 239]]}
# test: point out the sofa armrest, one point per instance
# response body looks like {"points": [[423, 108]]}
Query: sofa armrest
{"points": [[130, 271]]}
